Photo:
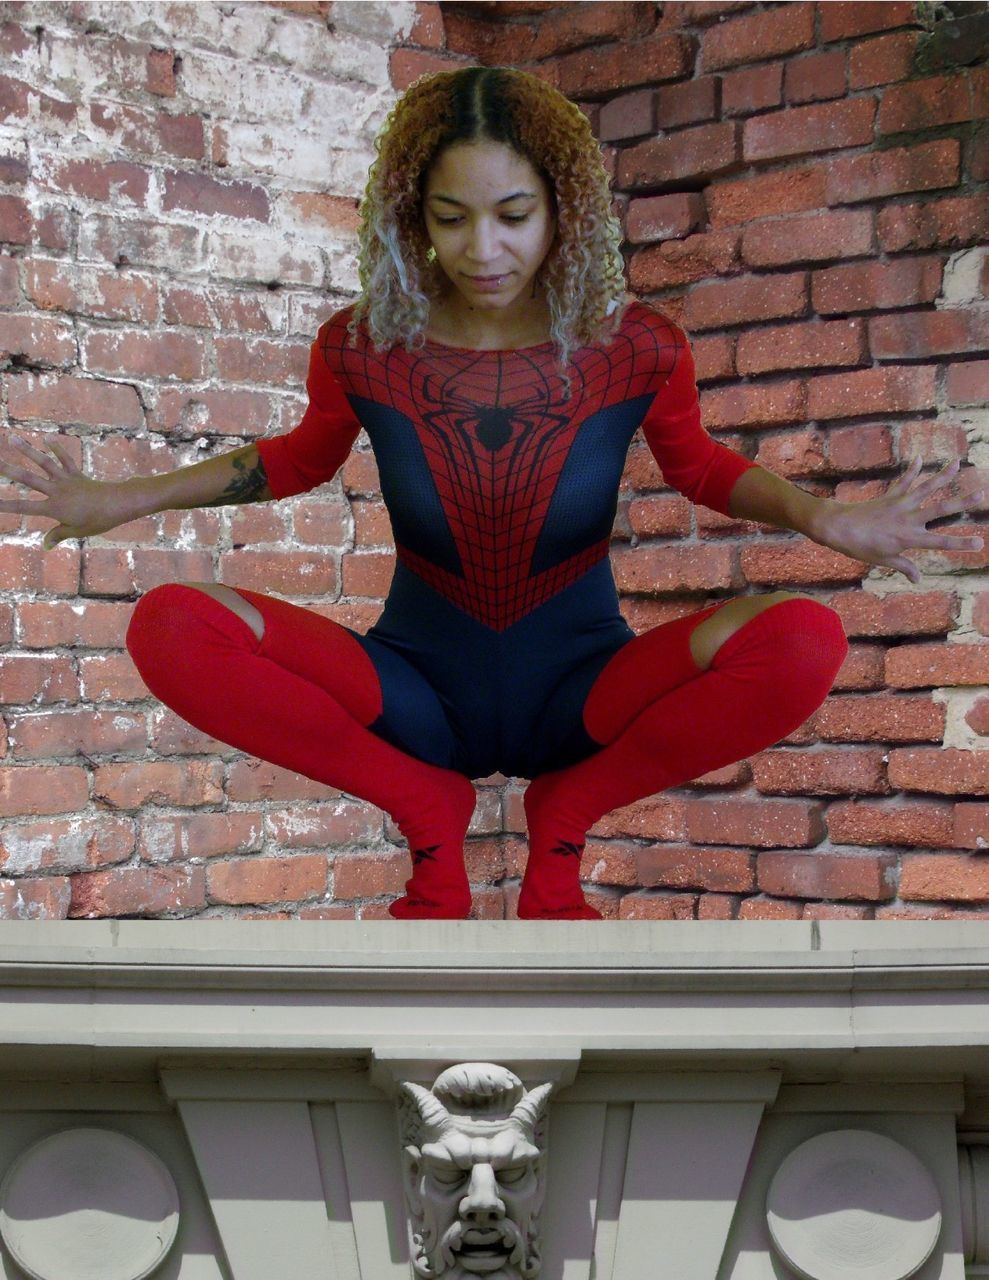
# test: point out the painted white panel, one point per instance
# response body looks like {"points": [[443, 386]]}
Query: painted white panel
{"points": [[372, 1156], [614, 1158], [258, 1164], [686, 1163], [331, 1163], [575, 1138]]}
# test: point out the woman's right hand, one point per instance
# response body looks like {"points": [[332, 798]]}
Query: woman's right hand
{"points": [[79, 505]]}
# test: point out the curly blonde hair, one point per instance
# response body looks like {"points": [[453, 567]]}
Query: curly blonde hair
{"points": [[583, 273]]}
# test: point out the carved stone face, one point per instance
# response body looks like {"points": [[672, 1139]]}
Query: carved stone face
{"points": [[479, 1196], [474, 1167]]}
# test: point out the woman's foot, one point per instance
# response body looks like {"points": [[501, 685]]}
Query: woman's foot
{"points": [[551, 884], [438, 888]]}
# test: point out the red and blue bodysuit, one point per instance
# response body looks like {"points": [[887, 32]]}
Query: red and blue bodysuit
{"points": [[501, 647], [502, 496]]}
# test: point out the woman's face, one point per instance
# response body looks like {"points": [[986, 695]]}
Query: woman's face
{"points": [[489, 216]]}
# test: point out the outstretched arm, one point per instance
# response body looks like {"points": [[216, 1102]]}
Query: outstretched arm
{"points": [[877, 531]]}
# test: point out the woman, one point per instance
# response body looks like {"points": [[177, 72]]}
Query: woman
{"points": [[500, 372]]}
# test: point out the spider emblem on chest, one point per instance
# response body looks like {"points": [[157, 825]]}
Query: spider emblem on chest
{"points": [[492, 426]]}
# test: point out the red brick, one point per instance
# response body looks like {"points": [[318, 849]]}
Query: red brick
{"points": [[628, 116], [117, 181], [977, 716], [289, 573], [860, 448], [201, 194], [62, 286], [601, 70], [882, 719], [316, 524], [816, 77], [281, 364], [720, 303], [835, 911], [948, 223], [933, 442], [752, 89], [200, 835], [757, 37], [819, 772], [746, 406], [924, 104], [655, 818], [26, 789], [137, 354], [132, 785], [971, 826], [870, 286], [798, 561], [138, 891], [900, 613], [70, 401], [659, 517], [237, 412], [735, 201], [968, 383], [928, 333], [257, 880], [793, 453], [699, 152], [161, 73], [844, 19], [42, 680], [110, 571], [714, 357], [406, 65], [29, 568], [760, 908], [65, 844], [367, 573], [893, 389], [253, 780], [883, 60], [941, 770], [427, 30], [42, 340], [884, 173], [45, 735], [655, 906], [360, 475], [811, 345], [687, 103], [827, 875], [697, 13], [46, 899], [915, 666], [663, 217], [687, 867], [899, 822], [758, 823], [717, 906], [862, 668], [801, 131], [945, 876], [817, 237], [369, 875], [653, 570], [15, 220], [149, 133], [675, 262]]}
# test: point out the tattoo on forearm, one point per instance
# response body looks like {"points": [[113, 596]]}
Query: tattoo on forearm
{"points": [[246, 486]]}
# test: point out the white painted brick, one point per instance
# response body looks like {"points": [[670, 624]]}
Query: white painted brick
{"points": [[343, 269], [383, 20], [236, 255], [291, 155], [352, 59], [235, 88], [78, 67]]}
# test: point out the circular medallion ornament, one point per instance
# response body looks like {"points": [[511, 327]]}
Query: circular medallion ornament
{"points": [[853, 1205], [88, 1204]]}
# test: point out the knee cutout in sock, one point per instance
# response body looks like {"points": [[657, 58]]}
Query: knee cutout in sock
{"points": [[805, 638], [168, 613]]}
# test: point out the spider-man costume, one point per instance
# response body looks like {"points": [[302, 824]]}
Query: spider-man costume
{"points": [[502, 497], [501, 646]]}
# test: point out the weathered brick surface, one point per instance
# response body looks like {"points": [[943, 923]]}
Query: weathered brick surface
{"points": [[802, 232]]}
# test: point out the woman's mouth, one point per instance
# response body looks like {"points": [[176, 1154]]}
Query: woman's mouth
{"points": [[488, 282]]}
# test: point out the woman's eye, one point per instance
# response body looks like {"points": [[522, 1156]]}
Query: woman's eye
{"points": [[506, 217]]}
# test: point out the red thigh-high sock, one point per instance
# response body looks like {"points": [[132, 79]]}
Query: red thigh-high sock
{"points": [[763, 682], [301, 697]]}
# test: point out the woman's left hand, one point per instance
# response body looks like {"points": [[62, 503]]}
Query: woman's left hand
{"points": [[879, 530]]}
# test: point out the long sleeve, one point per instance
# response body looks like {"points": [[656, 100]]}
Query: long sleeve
{"points": [[700, 468], [313, 452]]}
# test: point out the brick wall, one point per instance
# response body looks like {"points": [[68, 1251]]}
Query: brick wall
{"points": [[802, 186]]}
